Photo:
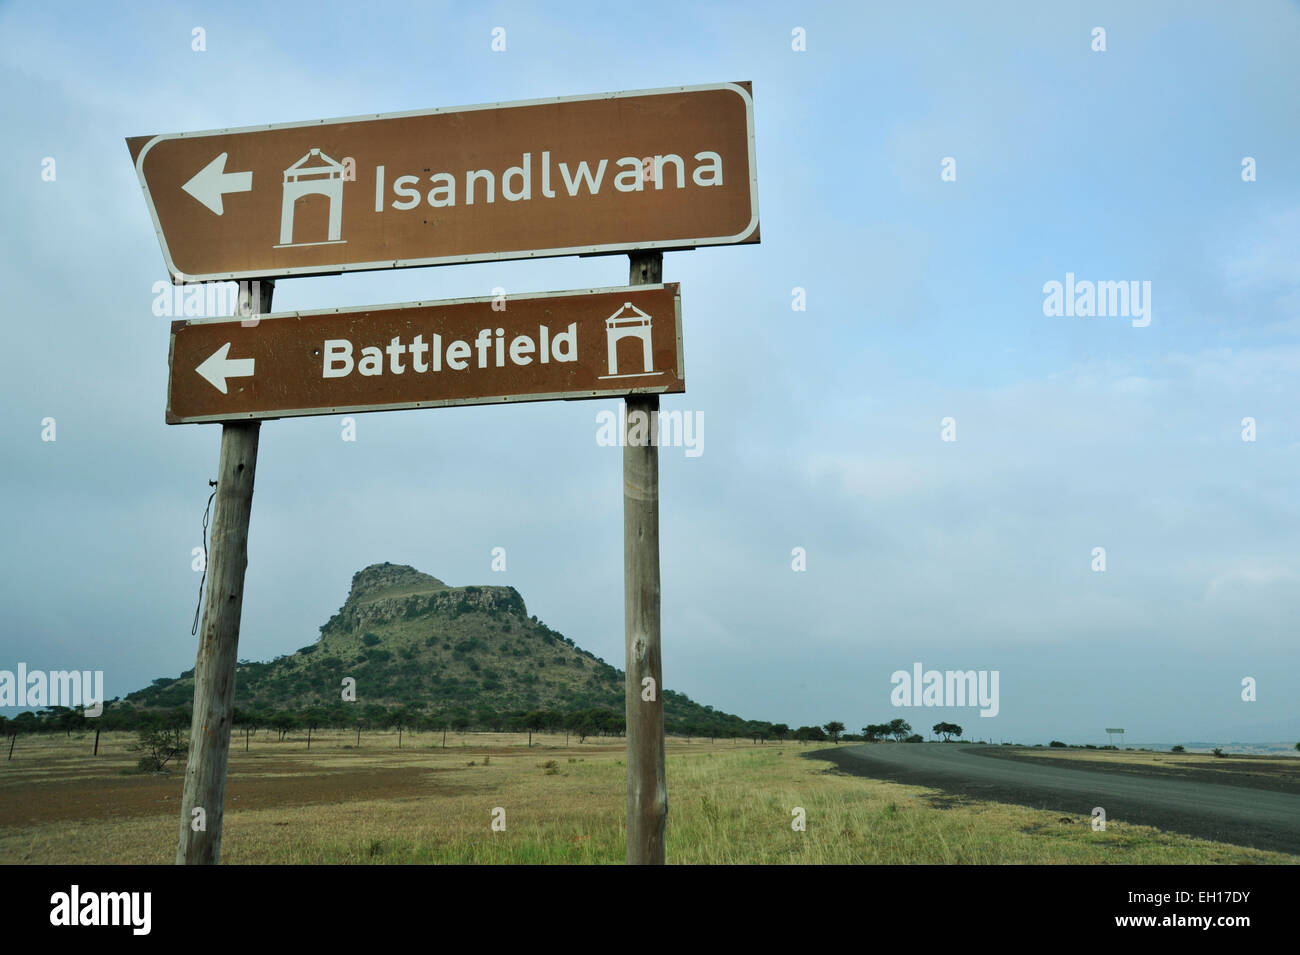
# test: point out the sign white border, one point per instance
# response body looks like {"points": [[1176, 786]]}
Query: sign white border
{"points": [[179, 277], [440, 403]]}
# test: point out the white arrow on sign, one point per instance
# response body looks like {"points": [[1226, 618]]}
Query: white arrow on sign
{"points": [[217, 368], [211, 182]]}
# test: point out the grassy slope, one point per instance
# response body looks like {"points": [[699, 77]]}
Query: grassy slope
{"points": [[408, 638]]}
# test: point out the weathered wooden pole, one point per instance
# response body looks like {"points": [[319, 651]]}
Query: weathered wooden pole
{"points": [[647, 788], [214, 668]]}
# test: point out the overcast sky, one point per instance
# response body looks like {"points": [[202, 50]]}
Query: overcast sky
{"points": [[822, 428]]}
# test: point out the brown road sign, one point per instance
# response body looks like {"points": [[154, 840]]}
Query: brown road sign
{"points": [[587, 344], [670, 168]]}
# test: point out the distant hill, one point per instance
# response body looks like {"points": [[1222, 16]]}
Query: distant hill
{"points": [[468, 654]]}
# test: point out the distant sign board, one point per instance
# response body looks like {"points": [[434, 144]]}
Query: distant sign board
{"points": [[587, 344], [648, 169], [1111, 730]]}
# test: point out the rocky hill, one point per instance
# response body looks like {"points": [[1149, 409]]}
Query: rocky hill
{"points": [[467, 654]]}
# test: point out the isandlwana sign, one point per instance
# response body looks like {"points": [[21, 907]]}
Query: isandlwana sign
{"points": [[583, 344], [647, 169]]}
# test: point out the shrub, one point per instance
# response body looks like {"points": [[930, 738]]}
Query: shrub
{"points": [[370, 640], [1217, 751], [1178, 749], [159, 746], [1057, 743]]}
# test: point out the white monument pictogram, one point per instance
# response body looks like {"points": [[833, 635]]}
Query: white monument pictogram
{"points": [[323, 177], [629, 321]]}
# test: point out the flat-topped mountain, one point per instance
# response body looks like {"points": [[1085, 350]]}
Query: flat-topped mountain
{"points": [[468, 654]]}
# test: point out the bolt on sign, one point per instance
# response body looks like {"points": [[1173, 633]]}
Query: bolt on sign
{"points": [[583, 344], [647, 169]]}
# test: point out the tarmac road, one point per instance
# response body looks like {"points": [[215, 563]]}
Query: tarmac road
{"points": [[1237, 814]]}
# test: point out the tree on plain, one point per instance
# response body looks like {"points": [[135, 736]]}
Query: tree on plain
{"points": [[534, 721], [900, 729], [284, 723], [400, 717], [160, 745], [312, 718], [65, 718], [247, 721], [946, 730]]}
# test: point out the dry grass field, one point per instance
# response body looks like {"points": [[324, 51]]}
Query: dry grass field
{"points": [[728, 803]]}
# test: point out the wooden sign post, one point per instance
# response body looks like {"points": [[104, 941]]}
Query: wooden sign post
{"points": [[203, 804], [647, 788], [636, 172]]}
